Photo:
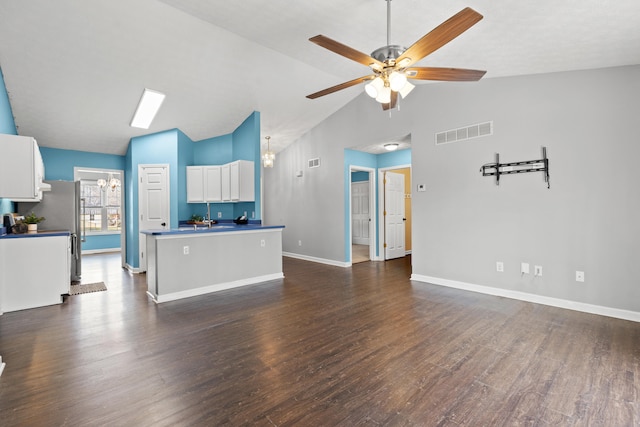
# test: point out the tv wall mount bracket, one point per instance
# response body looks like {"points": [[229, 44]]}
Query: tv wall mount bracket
{"points": [[496, 169]]}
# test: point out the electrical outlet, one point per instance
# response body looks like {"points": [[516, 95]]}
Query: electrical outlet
{"points": [[537, 270], [500, 266], [263, 243], [185, 250], [524, 268], [253, 214], [245, 213], [219, 214], [299, 242], [579, 276]]}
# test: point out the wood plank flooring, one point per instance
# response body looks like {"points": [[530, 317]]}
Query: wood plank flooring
{"points": [[326, 346]]}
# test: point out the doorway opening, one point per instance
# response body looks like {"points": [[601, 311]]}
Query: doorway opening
{"points": [[362, 214], [394, 210]]}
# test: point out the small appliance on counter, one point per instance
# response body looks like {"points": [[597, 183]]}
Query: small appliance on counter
{"points": [[9, 221]]}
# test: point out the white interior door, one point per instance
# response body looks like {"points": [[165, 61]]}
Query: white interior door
{"points": [[153, 203], [360, 212], [394, 215]]}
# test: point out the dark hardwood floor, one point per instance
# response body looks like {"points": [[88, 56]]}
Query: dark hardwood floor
{"points": [[325, 346]]}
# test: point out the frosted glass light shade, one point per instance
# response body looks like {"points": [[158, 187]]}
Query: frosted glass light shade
{"points": [[373, 88], [397, 81], [384, 96], [408, 87]]}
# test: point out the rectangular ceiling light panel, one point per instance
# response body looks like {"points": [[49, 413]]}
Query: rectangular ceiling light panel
{"points": [[148, 107]]}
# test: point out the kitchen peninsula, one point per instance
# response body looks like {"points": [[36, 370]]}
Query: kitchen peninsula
{"points": [[192, 261]]}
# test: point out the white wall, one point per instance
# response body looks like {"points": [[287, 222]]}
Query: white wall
{"points": [[464, 223]]}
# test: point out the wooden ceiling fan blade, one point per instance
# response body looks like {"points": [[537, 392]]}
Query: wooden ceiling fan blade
{"points": [[439, 36], [444, 74], [341, 86], [346, 51], [393, 103]]}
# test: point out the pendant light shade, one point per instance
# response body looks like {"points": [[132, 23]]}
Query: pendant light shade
{"points": [[269, 156]]}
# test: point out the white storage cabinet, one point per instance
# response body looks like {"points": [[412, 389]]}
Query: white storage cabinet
{"points": [[204, 184], [232, 182], [21, 169]]}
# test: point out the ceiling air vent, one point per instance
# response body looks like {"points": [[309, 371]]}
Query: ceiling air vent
{"points": [[314, 163], [465, 133]]}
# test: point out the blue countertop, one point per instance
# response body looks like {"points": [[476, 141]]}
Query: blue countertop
{"points": [[215, 228], [38, 234]]}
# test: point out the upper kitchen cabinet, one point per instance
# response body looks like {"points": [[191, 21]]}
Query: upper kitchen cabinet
{"points": [[232, 182], [240, 182], [204, 184], [21, 169]]}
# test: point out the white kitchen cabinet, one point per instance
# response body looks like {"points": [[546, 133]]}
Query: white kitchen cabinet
{"points": [[35, 271], [212, 184], [232, 182], [195, 184], [240, 182], [204, 184], [21, 169], [225, 180]]}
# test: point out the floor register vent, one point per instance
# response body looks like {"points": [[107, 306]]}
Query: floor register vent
{"points": [[314, 163], [465, 133]]}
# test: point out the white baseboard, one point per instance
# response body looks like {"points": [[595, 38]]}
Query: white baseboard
{"points": [[538, 299], [214, 288], [134, 270], [318, 260], [100, 251]]}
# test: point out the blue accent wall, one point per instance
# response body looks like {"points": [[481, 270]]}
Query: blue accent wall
{"points": [[246, 146], [394, 158], [7, 126], [185, 158], [59, 165], [359, 176], [213, 151], [157, 148]]}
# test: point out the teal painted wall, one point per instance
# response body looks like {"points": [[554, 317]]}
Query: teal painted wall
{"points": [[59, 164], [157, 148], [359, 176], [7, 126], [394, 159], [374, 161], [213, 151], [185, 158], [246, 146]]}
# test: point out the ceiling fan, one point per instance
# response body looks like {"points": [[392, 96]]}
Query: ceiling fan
{"points": [[391, 64]]}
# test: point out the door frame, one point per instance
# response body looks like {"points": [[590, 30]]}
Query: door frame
{"points": [[373, 236], [77, 170], [141, 168], [381, 201]]}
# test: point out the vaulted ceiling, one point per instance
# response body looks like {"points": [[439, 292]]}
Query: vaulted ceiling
{"points": [[75, 69]]}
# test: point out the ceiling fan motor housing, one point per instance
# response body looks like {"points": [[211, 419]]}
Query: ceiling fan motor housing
{"points": [[388, 54]]}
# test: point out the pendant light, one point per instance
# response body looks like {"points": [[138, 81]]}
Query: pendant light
{"points": [[269, 156]]}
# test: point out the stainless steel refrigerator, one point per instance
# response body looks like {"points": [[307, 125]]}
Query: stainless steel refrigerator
{"points": [[61, 209]]}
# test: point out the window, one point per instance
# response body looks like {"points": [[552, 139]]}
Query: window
{"points": [[101, 211]]}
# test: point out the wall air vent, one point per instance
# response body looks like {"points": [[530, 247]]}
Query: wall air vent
{"points": [[314, 163], [465, 133]]}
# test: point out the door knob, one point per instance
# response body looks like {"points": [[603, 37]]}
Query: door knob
{"points": [[164, 224]]}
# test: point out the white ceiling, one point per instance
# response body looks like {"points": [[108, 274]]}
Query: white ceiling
{"points": [[75, 69]]}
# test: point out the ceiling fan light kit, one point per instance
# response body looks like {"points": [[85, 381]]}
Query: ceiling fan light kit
{"points": [[392, 64]]}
